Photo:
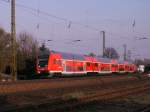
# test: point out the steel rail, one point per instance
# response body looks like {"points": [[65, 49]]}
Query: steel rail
{"points": [[106, 94]]}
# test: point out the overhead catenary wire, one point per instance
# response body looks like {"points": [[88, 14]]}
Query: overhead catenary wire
{"points": [[53, 16], [69, 22], [37, 12]]}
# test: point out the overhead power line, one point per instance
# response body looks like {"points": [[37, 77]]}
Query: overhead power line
{"points": [[69, 22], [53, 16], [56, 17]]}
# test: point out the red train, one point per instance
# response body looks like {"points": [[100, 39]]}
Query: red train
{"points": [[58, 63]]}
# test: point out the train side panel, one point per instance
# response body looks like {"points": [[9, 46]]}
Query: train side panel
{"points": [[105, 68], [121, 68], [55, 63]]}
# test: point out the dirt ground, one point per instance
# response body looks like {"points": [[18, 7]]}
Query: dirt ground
{"points": [[133, 103], [36, 100]]}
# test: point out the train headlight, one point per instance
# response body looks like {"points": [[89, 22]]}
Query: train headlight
{"points": [[38, 72]]}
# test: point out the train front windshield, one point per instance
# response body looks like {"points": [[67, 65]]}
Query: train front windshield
{"points": [[43, 60]]}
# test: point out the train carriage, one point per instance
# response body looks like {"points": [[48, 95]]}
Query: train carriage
{"points": [[132, 68], [59, 63], [92, 65], [63, 63], [73, 63], [114, 65], [105, 65], [128, 67], [121, 67]]}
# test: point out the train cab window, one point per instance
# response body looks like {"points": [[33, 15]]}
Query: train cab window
{"points": [[43, 62]]}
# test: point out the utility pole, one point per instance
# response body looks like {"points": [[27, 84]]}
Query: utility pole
{"points": [[129, 55], [13, 38], [103, 33], [125, 52]]}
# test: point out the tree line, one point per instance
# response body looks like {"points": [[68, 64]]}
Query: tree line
{"points": [[27, 52], [27, 49]]}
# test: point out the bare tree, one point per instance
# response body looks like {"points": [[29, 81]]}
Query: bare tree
{"points": [[27, 45], [111, 53], [27, 48], [26, 52], [92, 54], [5, 49]]}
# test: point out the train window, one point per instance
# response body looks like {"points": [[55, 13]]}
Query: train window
{"points": [[106, 69], [80, 68], [121, 69], [54, 61], [43, 62], [68, 68], [113, 65], [130, 68], [59, 62], [88, 64], [96, 64]]}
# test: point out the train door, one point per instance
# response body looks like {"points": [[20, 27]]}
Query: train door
{"points": [[127, 68], [114, 67], [78, 67], [121, 68], [55, 64], [89, 67], [95, 67], [105, 68]]}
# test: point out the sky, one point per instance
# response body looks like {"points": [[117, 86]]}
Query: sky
{"points": [[64, 21]]}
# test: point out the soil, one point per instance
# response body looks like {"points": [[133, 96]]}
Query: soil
{"points": [[132, 103]]}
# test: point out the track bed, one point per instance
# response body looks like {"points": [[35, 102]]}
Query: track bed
{"points": [[59, 94]]}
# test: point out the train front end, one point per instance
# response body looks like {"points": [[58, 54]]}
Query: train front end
{"points": [[42, 64]]}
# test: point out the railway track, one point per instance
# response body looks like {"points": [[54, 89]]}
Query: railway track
{"points": [[100, 96], [145, 110], [33, 85], [89, 94], [106, 95]]}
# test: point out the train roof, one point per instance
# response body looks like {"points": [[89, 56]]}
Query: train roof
{"points": [[125, 62], [71, 56], [105, 60]]}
